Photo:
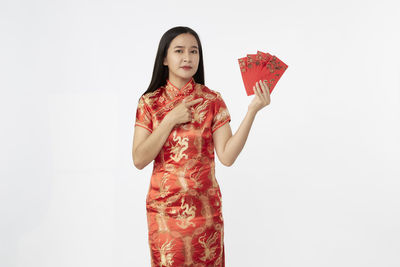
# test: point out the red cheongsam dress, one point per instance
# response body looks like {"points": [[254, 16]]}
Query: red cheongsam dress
{"points": [[184, 204]]}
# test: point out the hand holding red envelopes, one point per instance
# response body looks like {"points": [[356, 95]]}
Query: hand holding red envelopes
{"points": [[261, 66]]}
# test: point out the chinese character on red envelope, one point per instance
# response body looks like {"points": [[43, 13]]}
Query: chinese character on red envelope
{"points": [[261, 66]]}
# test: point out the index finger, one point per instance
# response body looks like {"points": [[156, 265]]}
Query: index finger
{"points": [[193, 102]]}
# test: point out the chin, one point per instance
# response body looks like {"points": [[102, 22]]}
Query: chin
{"points": [[187, 76]]}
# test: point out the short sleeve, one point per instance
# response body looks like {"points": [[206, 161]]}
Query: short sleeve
{"points": [[143, 115], [221, 113]]}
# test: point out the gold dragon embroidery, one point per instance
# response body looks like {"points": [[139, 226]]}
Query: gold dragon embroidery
{"points": [[163, 187], [178, 149], [180, 172], [219, 260], [161, 218], [199, 113], [186, 216], [209, 250], [195, 177], [166, 257]]}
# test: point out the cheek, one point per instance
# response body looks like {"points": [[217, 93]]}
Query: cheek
{"points": [[176, 61]]}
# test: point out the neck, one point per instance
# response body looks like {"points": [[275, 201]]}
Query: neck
{"points": [[178, 82]]}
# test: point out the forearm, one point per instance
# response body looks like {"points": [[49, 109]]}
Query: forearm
{"points": [[147, 151], [235, 144]]}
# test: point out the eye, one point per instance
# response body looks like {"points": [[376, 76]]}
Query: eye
{"points": [[195, 51], [178, 50]]}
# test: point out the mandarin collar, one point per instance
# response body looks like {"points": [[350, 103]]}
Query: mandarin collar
{"points": [[186, 89]]}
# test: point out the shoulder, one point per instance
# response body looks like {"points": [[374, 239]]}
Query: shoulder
{"points": [[151, 99]]}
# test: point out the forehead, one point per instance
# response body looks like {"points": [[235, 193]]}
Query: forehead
{"points": [[185, 39]]}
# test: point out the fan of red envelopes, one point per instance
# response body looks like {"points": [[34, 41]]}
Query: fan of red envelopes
{"points": [[261, 66]]}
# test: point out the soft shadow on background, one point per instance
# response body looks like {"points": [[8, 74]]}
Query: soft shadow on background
{"points": [[317, 183]]}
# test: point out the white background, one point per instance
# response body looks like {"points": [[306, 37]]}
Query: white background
{"points": [[317, 183]]}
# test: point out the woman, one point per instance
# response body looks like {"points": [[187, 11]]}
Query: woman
{"points": [[179, 122]]}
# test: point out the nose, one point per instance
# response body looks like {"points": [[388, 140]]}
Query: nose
{"points": [[186, 57]]}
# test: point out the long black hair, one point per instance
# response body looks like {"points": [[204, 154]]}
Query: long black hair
{"points": [[160, 72]]}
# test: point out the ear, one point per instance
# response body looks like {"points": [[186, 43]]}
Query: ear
{"points": [[164, 63]]}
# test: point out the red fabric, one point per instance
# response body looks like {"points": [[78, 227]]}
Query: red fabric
{"points": [[261, 66], [184, 202]]}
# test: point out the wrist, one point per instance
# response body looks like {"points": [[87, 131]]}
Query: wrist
{"points": [[252, 111], [169, 120]]}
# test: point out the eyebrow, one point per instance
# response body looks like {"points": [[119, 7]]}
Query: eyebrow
{"points": [[179, 46]]}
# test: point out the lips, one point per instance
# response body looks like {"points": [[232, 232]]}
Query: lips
{"points": [[186, 67]]}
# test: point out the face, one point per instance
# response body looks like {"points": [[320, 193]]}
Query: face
{"points": [[183, 51]]}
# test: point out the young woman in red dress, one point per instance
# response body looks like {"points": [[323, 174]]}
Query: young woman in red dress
{"points": [[179, 123]]}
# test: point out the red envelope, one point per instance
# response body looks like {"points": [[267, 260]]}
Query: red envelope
{"points": [[243, 71], [261, 66], [263, 56], [255, 67]]}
